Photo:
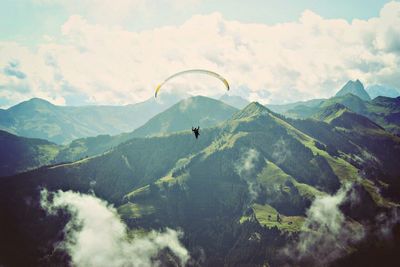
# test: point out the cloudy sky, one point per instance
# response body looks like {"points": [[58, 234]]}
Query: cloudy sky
{"points": [[75, 52]]}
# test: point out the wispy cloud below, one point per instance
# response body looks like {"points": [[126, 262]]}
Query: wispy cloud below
{"points": [[96, 236], [327, 234], [246, 169]]}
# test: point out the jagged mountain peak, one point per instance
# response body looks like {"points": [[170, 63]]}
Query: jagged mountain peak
{"points": [[355, 88]]}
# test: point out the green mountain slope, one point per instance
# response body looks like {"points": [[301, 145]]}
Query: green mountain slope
{"points": [[340, 116], [20, 154], [386, 112], [224, 190], [350, 101], [188, 113], [27, 155], [364, 143]]}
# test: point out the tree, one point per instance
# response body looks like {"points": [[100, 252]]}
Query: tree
{"points": [[278, 218]]}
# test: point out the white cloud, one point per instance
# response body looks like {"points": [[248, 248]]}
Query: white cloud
{"points": [[309, 58], [96, 236], [281, 151], [329, 235], [245, 167]]}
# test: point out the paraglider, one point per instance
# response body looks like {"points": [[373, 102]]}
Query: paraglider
{"points": [[196, 131], [201, 71]]}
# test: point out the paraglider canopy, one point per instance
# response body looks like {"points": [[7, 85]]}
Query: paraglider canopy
{"points": [[201, 71]]}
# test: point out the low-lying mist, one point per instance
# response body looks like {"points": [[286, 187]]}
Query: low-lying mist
{"points": [[96, 236]]}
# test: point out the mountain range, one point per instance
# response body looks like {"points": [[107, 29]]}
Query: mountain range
{"points": [[28, 153], [38, 118], [384, 111], [241, 193], [188, 112]]}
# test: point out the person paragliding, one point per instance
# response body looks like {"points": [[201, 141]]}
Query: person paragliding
{"points": [[199, 71], [196, 131]]}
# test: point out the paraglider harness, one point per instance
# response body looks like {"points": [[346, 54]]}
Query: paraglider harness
{"points": [[196, 131]]}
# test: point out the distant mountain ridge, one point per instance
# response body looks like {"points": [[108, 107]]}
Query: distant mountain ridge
{"points": [[385, 111], [303, 107], [234, 101], [381, 90], [38, 118]]}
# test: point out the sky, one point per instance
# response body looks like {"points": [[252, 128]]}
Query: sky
{"points": [[79, 52]]}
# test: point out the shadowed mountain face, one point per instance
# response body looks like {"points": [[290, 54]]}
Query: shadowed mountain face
{"points": [[38, 118], [20, 154], [240, 193]]}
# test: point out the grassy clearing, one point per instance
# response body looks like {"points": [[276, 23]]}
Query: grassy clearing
{"points": [[376, 196], [267, 216], [307, 191], [133, 210], [225, 142], [140, 191]]}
